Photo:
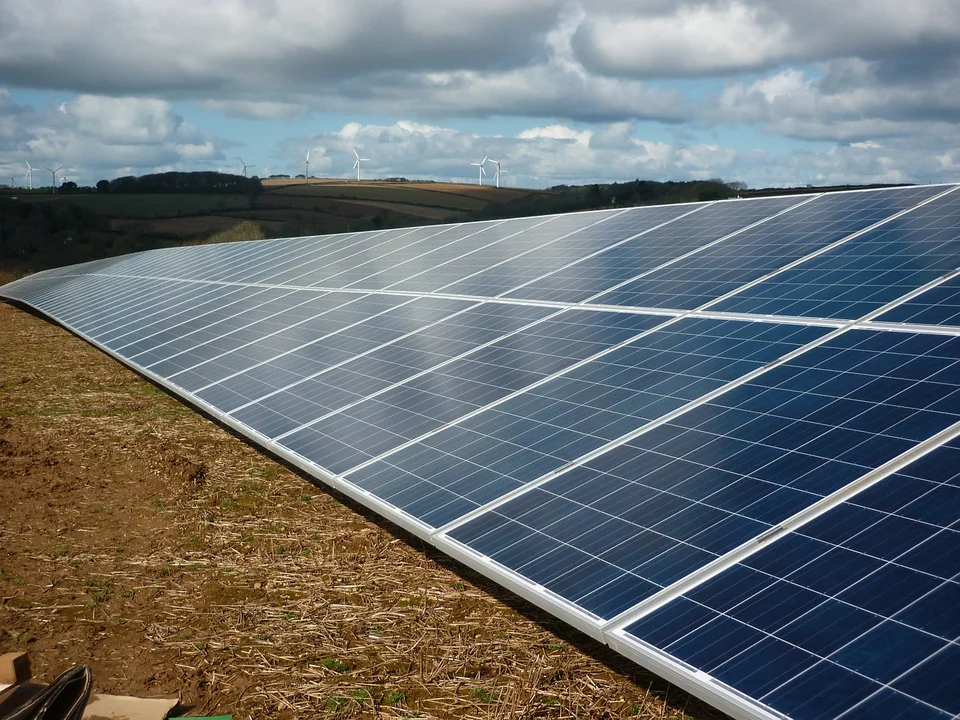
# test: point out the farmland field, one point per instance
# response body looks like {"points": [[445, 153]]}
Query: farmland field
{"points": [[149, 205]]}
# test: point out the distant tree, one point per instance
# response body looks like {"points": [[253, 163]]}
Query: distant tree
{"points": [[69, 187], [103, 186], [737, 186]]}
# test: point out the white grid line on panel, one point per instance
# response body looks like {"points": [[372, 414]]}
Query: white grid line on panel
{"points": [[535, 249], [848, 325], [792, 523], [429, 370], [699, 249], [239, 301], [867, 481], [364, 249], [515, 393], [115, 316], [357, 283], [824, 249], [310, 342], [699, 206], [254, 259], [265, 318], [549, 219], [394, 341]]}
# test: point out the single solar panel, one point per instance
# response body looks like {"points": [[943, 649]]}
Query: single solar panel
{"points": [[721, 437]]}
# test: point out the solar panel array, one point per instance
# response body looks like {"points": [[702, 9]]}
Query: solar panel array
{"points": [[721, 437]]}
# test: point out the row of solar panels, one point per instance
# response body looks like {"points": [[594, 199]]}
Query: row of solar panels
{"points": [[687, 486]]}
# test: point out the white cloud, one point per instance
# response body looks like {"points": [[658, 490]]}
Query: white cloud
{"points": [[711, 37], [94, 136]]}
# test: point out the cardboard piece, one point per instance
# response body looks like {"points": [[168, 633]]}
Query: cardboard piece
{"points": [[14, 669], [121, 707]]}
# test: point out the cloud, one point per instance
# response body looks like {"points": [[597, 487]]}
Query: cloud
{"points": [[95, 136], [696, 38]]}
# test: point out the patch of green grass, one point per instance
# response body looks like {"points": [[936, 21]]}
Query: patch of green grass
{"points": [[335, 704], [459, 586], [331, 663], [394, 697], [483, 695], [360, 696]]}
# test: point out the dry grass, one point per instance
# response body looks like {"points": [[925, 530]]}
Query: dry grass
{"points": [[8, 275], [144, 539], [241, 232]]}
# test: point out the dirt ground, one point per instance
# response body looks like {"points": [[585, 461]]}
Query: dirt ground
{"points": [[145, 540]]}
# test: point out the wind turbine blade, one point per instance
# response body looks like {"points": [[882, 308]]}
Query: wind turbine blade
{"points": [[484, 172], [364, 159], [58, 169], [356, 163], [308, 156], [484, 160], [356, 155]]}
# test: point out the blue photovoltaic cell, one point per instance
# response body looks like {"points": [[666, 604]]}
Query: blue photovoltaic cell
{"points": [[747, 256], [937, 306], [356, 320], [593, 275], [866, 272], [377, 425], [500, 449], [854, 615], [354, 379], [624, 525], [508, 242], [521, 269]]}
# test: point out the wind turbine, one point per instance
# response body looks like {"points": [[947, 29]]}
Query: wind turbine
{"points": [[245, 166], [306, 172], [481, 172], [53, 175], [356, 165], [29, 174], [499, 171]]}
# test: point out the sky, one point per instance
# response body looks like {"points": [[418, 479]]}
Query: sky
{"points": [[765, 92]]}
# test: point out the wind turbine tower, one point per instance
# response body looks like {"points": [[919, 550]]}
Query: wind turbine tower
{"points": [[356, 165], [29, 174], [499, 172], [53, 175], [306, 171], [245, 166], [481, 171]]}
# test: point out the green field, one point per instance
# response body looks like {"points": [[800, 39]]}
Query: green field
{"points": [[388, 193], [143, 206]]}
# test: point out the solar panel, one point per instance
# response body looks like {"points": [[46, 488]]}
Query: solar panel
{"points": [[721, 437]]}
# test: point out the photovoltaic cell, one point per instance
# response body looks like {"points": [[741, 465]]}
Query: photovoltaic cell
{"points": [[851, 616], [543, 429], [749, 255], [524, 268], [938, 306], [273, 411], [865, 273], [377, 425], [620, 527], [592, 275]]}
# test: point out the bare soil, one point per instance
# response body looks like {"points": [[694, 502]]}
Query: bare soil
{"points": [[175, 559]]}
